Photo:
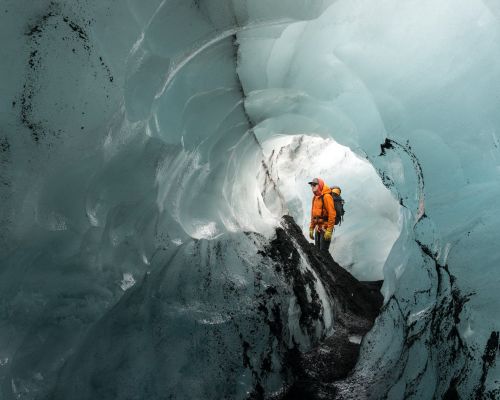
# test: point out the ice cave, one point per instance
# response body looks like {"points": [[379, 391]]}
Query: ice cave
{"points": [[154, 159]]}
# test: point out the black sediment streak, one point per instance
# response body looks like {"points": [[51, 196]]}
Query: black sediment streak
{"points": [[248, 119], [385, 146], [391, 144], [428, 251], [444, 320], [445, 315], [489, 357], [236, 57], [283, 251], [355, 307], [107, 69], [77, 29], [36, 33], [452, 393], [4, 145], [5, 159]]}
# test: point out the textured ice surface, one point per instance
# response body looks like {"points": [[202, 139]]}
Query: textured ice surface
{"points": [[371, 226], [131, 143], [409, 87]]}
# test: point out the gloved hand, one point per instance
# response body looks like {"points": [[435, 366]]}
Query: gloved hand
{"points": [[328, 235], [311, 234]]}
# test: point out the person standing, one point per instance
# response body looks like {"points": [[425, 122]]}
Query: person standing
{"points": [[322, 215]]}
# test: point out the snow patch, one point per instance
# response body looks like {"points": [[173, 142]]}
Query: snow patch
{"points": [[127, 282], [356, 339]]}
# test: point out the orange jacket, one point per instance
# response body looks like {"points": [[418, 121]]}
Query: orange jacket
{"points": [[323, 211]]}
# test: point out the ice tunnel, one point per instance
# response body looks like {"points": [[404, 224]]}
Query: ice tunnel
{"points": [[148, 151]]}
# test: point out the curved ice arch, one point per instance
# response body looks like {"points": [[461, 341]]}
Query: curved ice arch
{"points": [[148, 181], [367, 75], [427, 101]]}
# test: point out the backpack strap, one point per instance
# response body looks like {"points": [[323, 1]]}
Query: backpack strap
{"points": [[323, 202]]}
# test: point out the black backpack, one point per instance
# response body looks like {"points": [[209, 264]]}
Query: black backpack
{"points": [[338, 203]]}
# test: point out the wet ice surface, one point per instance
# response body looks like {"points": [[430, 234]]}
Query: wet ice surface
{"points": [[124, 151]]}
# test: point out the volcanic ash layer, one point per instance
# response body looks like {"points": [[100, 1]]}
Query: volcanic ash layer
{"points": [[355, 305]]}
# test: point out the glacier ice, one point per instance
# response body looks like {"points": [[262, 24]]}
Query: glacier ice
{"points": [[139, 184], [372, 224]]}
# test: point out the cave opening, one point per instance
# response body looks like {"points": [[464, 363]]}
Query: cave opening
{"points": [[362, 242]]}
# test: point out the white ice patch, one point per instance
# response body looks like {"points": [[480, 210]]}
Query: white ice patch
{"points": [[444, 255], [308, 292], [205, 230], [215, 319], [296, 334], [356, 339], [108, 139], [127, 282], [92, 215], [4, 361], [239, 281], [468, 332], [177, 241], [418, 315]]}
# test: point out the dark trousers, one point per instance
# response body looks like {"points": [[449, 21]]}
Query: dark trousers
{"points": [[320, 243]]}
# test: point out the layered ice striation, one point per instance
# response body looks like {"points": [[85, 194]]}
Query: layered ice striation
{"points": [[140, 194]]}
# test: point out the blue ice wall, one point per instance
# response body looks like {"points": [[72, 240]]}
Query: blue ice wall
{"points": [[411, 87], [130, 153]]}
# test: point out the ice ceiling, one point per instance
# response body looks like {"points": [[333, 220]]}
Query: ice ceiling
{"points": [[138, 186]]}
